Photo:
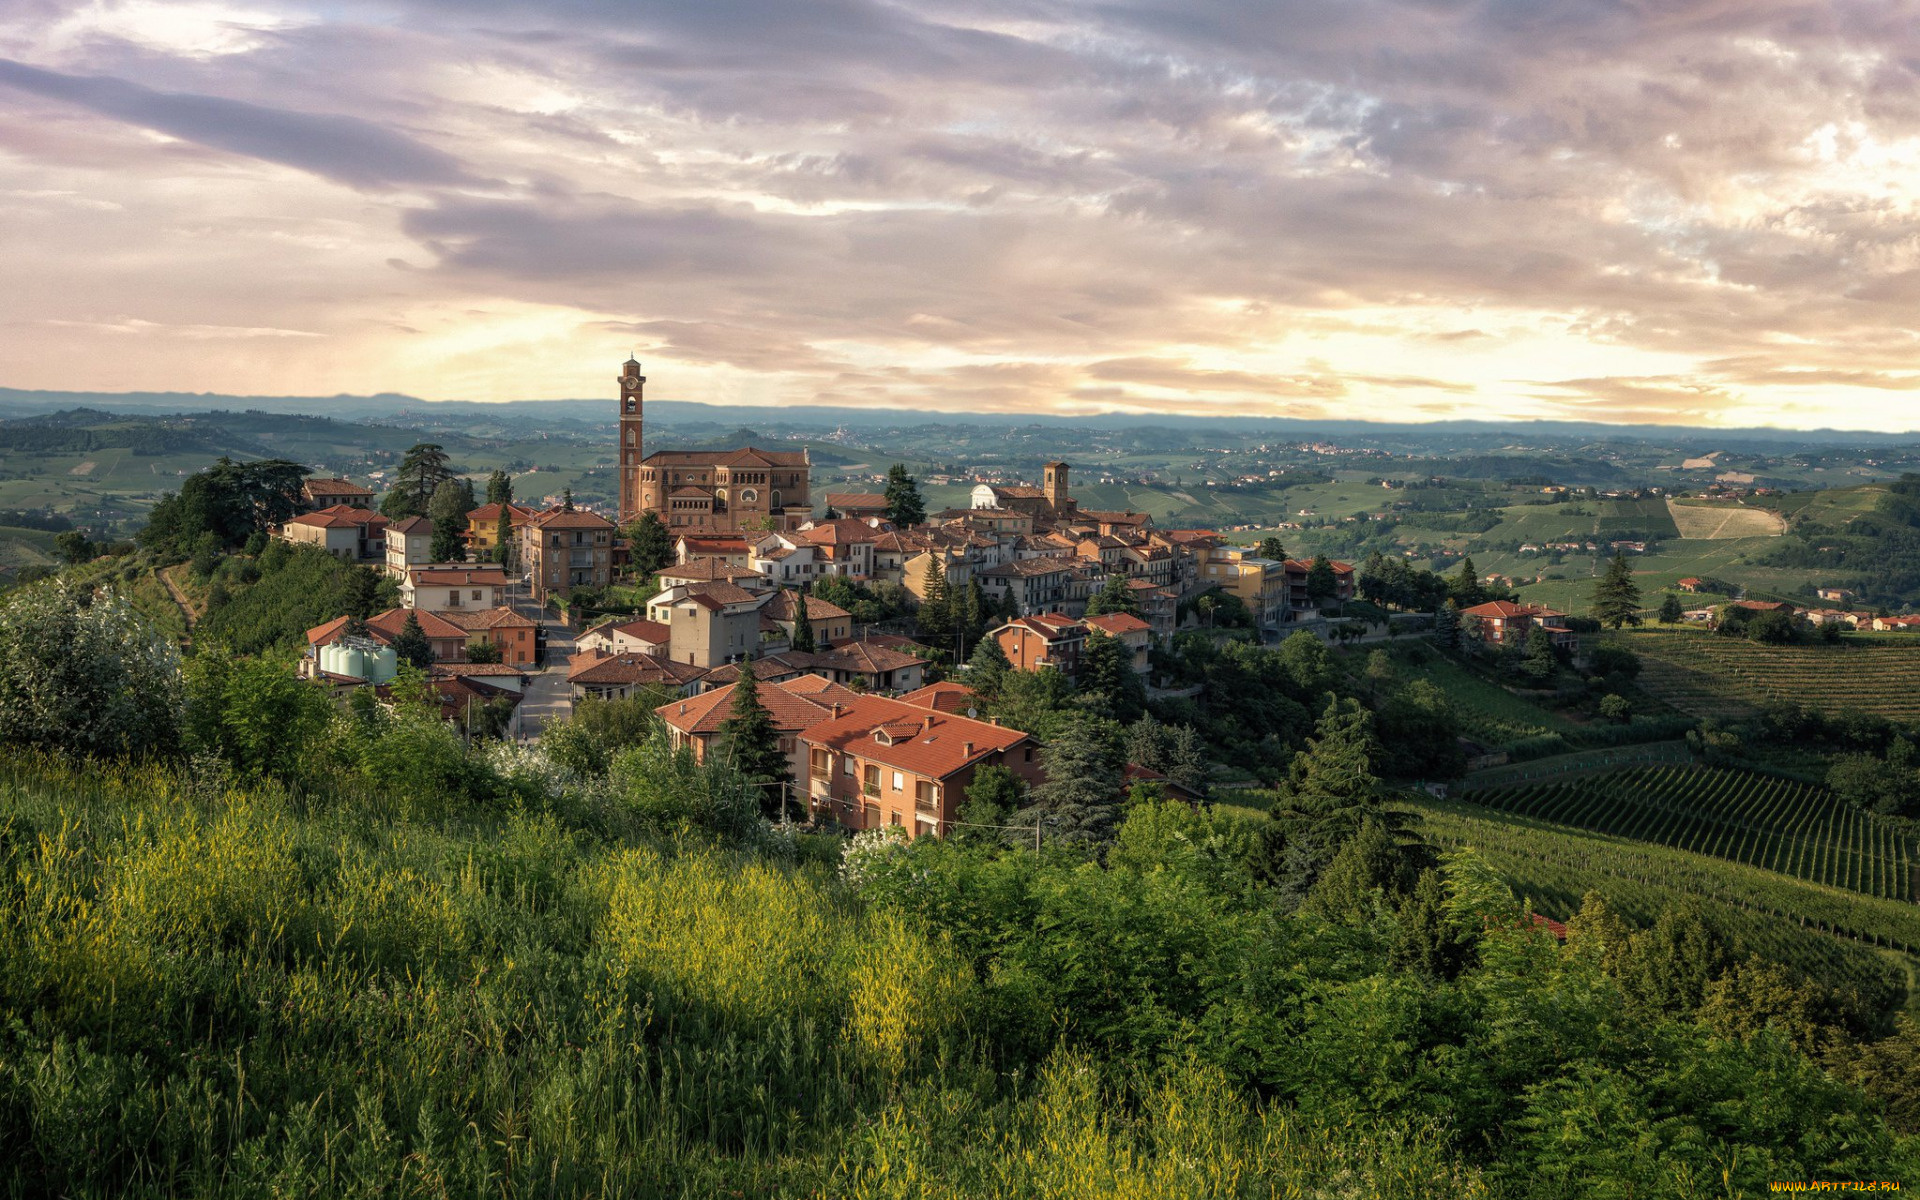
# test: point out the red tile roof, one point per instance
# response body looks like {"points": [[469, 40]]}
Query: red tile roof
{"points": [[340, 516], [599, 667], [785, 604], [843, 532], [1118, 623], [925, 742], [944, 697], [791, 711], [1507, 608], [570, 518], [846, 500], [387, 626], [641, 629], [487, 618], [335, 487], [489, 514], [441, 576], [411, 525]]}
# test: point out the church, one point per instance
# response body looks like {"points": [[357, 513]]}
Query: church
{"points": [[712, 492]]}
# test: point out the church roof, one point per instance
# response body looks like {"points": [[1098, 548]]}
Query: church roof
{"points": [[745, 456]]}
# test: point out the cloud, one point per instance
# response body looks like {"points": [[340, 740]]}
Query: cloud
{"points": [[350, 150]]}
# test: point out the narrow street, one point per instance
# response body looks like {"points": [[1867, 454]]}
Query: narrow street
{"points": [[547, 697]]}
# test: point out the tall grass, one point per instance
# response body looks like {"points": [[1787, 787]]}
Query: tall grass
{"points": [[220, 992]]}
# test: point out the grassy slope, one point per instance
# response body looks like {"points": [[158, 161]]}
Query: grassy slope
{"points": [[1705, 674]]}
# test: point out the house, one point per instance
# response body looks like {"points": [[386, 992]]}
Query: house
{"points": [[1132, 632], [1260, 583], [1135, 774], [1159, 606], [1503, 622], [1693, 583], [442, 587], [600, 675], [878, 762], [711, 570], [1905, 624], [1763, 606], [989, 520], [708, 623], [1833, 594], [694, 722], [945, 696], [857, 505], [1299, 570], [728, 551], [636, 636], [316, 494], [780, 560], [449, 641], [516, 636], [351, 534], [409, 544], [565, 548], [875, 667], [483, 527], [1037, 584], [830, 622], [843, 547], [1043, 641]]}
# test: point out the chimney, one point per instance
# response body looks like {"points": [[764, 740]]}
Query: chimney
{"points": [[929, 722], [836, 710], [993, 720], [969, 748]]}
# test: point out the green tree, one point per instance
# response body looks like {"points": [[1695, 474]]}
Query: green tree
{"points": [[499, 488], [1322, 584], [935, 614], [1273, 548], [483, 651], [416, 480], [995, 794], [1426, 941], [1107, 668], [85, 673], [254, 714], [1538, 658], [74, 546], [904, 505], [1330, 790], [1617, 708], [1176, 751], [650, 545], [503, 538], [1616, 598], [1465, 588], [1080, 800], [1671, 611], [1114, 596], [1368, 876], [749, 741], [802, 625], [411, 646], [452, 500], [1419, 733], [987, 669]]}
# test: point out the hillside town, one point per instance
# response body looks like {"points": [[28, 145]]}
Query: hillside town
{"points": [[739, 568]]}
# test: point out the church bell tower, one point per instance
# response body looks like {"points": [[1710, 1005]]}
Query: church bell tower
{"points": [[631, 381]]}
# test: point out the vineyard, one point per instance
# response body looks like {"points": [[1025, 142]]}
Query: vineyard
{"points": [[1707, 675], [1782, 825], [1841, 937]]}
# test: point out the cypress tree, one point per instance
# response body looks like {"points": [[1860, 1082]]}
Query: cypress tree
{"points": [[904, 505], [499, 488], [411, 645], [802, 625], [936, 614], [1616, 598], [503, 537]]}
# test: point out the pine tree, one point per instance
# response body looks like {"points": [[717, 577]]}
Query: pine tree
{"points": [[750, 742], [650, 544], [1322, 584], [1107, 668], [1465, 586], [973, 614], [1671, 610], [904, 505], [566, 499], [1539, 660], [411, 646], [1080, 800], [988, 668], [802, 625], [1426, 941], [419, 475], [1114, 596], [935, 617], [1330, 790], [1368, 870], [451, 502], [499, 488], [1273, 548], [1616, 598], [1446, 624]]}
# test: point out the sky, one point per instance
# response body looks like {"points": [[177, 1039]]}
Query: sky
{"points": [[1698, 212]]}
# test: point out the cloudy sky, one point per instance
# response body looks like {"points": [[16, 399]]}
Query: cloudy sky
{"points": [[1687, 211]]}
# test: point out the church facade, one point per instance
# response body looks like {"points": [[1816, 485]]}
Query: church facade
{"points": [[696, 492]]}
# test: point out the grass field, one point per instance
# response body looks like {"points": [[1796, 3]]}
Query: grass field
{"points": [[1721, 558], [1710, 521], [1781, 825], [1582, 519], [1705, 674]]}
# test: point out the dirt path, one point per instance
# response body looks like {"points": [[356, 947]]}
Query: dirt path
{"points": [[180, 600]]}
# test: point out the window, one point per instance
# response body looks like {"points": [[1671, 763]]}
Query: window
{"points": [[872, 817], [846, 763], [893, 818], [870, 782], [476, 593], [820, 763], [899, 781]]}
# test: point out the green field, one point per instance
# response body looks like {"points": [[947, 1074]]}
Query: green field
{"points": [[1708, 675], [1782, 917], [1794, 828]]}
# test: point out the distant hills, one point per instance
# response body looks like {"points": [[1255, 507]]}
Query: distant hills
{"points": [[401, 409]]}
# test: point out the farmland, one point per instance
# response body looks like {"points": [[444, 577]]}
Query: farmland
{"points": [[1501, 720], [1793, 828], [1716, 520], [1707, 675]]}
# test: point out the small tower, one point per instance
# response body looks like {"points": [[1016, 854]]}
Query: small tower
{"points": [[631, 381], [1055, 487]]}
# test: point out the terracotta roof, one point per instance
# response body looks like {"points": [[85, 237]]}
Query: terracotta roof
{"points": [[1118, 623], [708, 570], [334, 487], [820, 688], [387, 626], [1188, 535], [565, 518], [944, 697], [486, 618], [865, 657], [748, 456], [1053, 627], [1017, 491], [1022, 567], [791, 711], [783, 666], [691, 492], [340, 516], [472, 669], [599, 667], [696, 544], [845, 531], [646, 631], [719, 592], [845, 500], [411, 525], [923, 741], [891, 641], [1306, 564], [1507, 608], [489, 514], [785, 603]]}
